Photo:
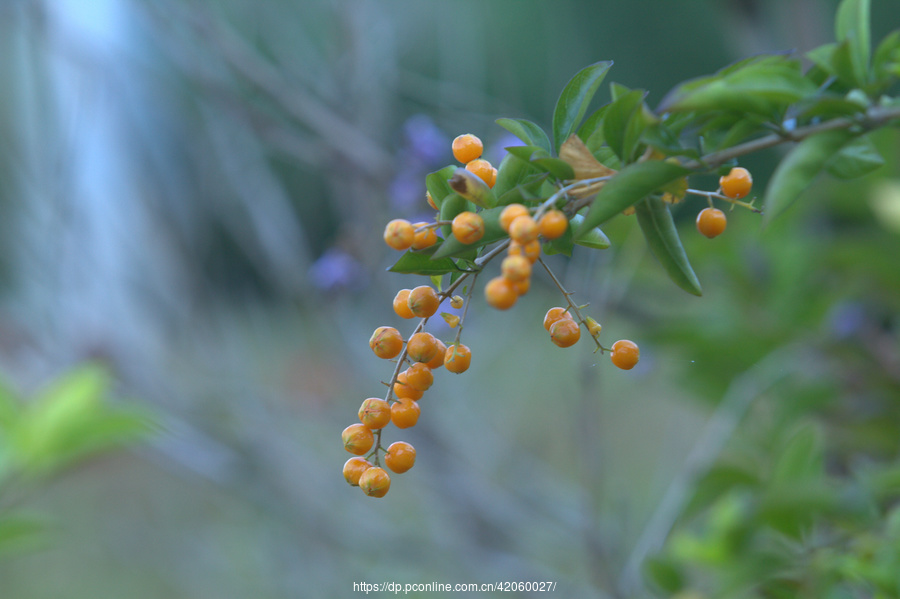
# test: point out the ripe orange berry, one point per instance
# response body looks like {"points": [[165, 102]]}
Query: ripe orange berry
{"points": [[452, 320], [500, 293], [375, 413], [386, 342], [423, 301], [375, 482], [401, 304], [522, 286], [456, 301], [404, 390], [711, 222], [482, 169], [554, 314], [737, 183], [467, 148], [565, 332], [399, 234], [516, 268], [419, 376], [400, 456], [438, 360], [531, 250], [523, 229], [625, 354], [468, 227], [553, 224], [405, 413], [421, 347], [493, 180], [353, 469], [424, 238], [510, 213], [357, 438], [457, 358]]}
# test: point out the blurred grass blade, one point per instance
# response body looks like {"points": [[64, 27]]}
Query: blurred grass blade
{"points": [[798, 169], [662, 237], [574, 100]]}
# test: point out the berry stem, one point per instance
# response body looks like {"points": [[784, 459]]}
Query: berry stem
{"points": [[572, 306], [462, 318], [720, 196]]}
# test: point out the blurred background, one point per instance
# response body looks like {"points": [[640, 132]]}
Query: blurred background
{"points": [[192, 194]]}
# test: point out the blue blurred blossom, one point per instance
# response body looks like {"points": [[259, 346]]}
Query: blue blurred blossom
{"points": [[496, 152], [337, 271]]}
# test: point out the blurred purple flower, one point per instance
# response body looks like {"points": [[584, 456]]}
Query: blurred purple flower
{"points": [[847, 319], [337, 271], [424, 141], [496, 152], [407, 191]]}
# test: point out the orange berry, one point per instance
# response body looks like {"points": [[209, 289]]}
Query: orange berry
{"points": [[357, 438], [625, 354], [403, 390], [565, 332], [386, 342], [375, 482], [405, 412], [430, 200], [482, 169], [423, 238], [353, 469], [553, 224], [399, 234], [510, 213], [421, 347], [401, 304], [493, 180], [400, 456], [522, 286], [456, 301], [500, 293], [554, 314], [737, 183], [523, 229], [375, 413], [516, 268], [457, 358], [452, 320], [531, 250], [419, 376], [423, 301], [468, 227], [438, 360], [711, 222], [467, 148]]}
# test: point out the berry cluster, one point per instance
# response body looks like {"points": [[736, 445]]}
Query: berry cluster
{"points": [[476, 231]]}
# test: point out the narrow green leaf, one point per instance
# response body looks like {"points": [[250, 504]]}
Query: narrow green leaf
{"points": [[852, 25], [452, 247], [437, 186], [473, 188], [857, 158], [511, 172], [886, 60], [422, 264], [798, 169], [761, 86], [527, 131], [801, 457], [574, 100], [593, 126], [617, 121], [557, 168], [593, 238], [656, 222], [630, 185], [526, 191]]}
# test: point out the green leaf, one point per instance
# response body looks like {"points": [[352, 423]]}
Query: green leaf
{"points": [[886, 61], [852, 25], [452, 247], [473, 188], [527, 131], [617, 123], [511, 172], [762, 85], [20, 533], [857, 158], [801, 458], [422, 264], [630, 185], [592, 128], [662, 237], [437, 186], [664, 573], [538, 157], [526, 191], [798, 169], [574, 100], [593, 238]]}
